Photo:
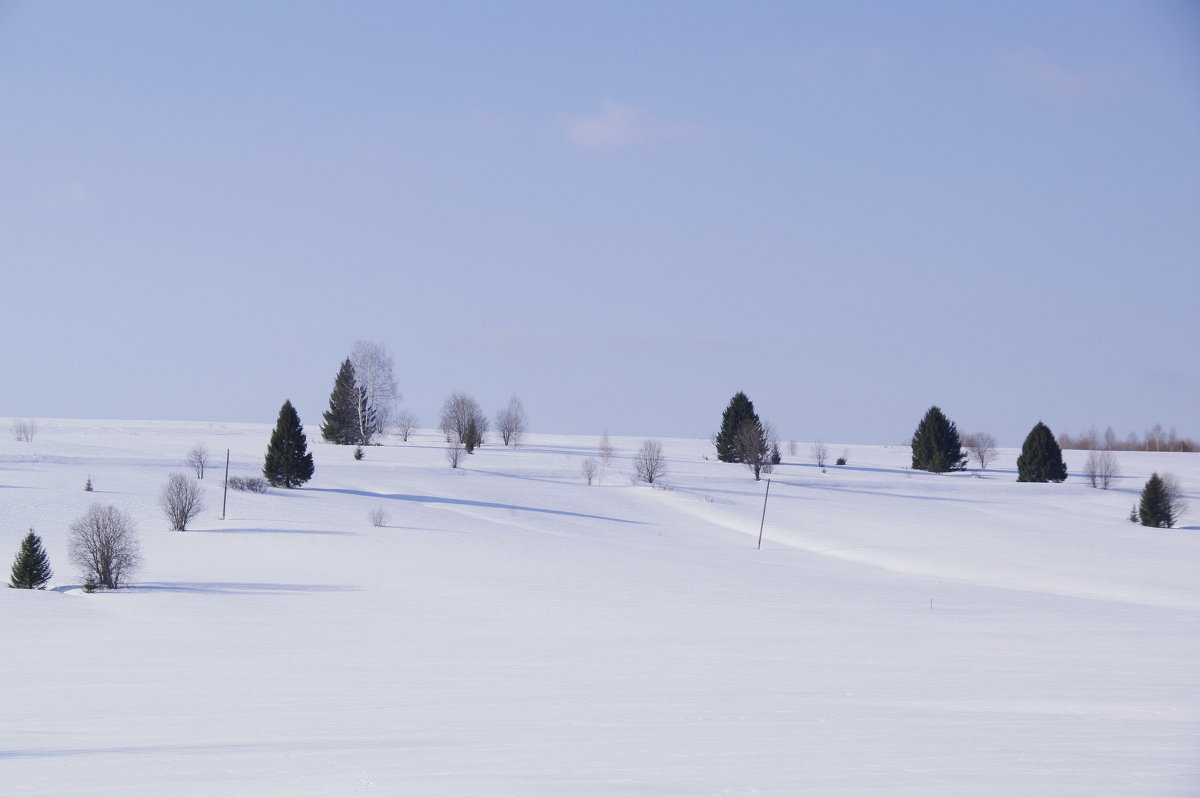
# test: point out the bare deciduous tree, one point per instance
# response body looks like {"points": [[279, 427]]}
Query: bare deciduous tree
{"points": [[606, 449], [405, 422], [376, 380], [463, 421], [378, 516], [649, 464], [455, 450], [23, 429], [591, 469], [752, 446], [820, 453], [793, 448], [104, 545], [1101, 468], [181, 500], [981, 446], [511, 423], [197, 458]]}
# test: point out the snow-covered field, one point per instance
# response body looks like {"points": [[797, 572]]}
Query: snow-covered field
{"points": [[514, 632]]}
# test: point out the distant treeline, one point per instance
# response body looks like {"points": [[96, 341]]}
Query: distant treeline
{"points": [[1156, 439]]}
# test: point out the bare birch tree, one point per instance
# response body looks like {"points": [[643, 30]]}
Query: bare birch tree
{"points": [[591, 469], [511, 423], [23, 429], [197, 458], [820, 453], [405, 422], [606, 449], [374, 374], [981, 446], [1101, 468]]}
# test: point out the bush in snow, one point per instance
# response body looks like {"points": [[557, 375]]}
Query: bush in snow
{"points": [[181, 500], [104, 545], [248, 484]]}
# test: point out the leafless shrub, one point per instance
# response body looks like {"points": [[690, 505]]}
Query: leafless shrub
{"points": [[378, 516], [591, 469], [649, 464], [819, 453], [181, 500], [511, 423], [455, 451], [606, 449], [981, 447], [405, 422], [1101, 468], [248, 484], [197, 458], [793, 449], [104, 545], [23, 429]]}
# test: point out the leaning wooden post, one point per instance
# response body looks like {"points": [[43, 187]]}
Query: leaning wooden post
{"points": [[225, 493], [764, 515]]}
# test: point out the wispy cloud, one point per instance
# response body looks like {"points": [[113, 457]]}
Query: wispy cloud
{"points": [[1057, 81], [615, 126]]}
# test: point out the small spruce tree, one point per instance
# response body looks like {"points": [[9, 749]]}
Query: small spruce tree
{"points": [[288, 463], [1156, 508], [1041, 457], [739, 410], [341, 419], [936, 446], [31, 568]]}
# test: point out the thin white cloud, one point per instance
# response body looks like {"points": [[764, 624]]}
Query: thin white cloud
{"points": [[616, 126], [1057, 81]]}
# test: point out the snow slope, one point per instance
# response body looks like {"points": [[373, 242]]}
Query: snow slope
{"points": [[515, 632]]}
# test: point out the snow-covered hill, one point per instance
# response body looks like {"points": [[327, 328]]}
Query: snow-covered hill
{"points": [[512, 631]]}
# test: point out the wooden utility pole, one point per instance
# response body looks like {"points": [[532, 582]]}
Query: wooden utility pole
{"points": [[225, 493], [764, 515]]}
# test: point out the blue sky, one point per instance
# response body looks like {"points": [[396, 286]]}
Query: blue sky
{"points": [[623, 212]]}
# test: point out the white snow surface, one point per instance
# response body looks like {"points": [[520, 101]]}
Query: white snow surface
{"points": [[514, 632]]}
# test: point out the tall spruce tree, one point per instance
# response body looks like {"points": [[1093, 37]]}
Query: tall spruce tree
{"points": [[739, 410], [31, 568], [341, 419], [1156, 508], [936, 446], [288, 463], [1041, 457]]}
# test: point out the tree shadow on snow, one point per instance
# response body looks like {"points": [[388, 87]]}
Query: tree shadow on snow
{"points": [[404, 497], [230, 588], [260, 531]]}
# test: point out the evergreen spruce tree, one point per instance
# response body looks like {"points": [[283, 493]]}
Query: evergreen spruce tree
{"points": [[936, 446], [341, 419], [1041, 457], [1155, 508], [31, 568], [288, 462], [739, 410]]}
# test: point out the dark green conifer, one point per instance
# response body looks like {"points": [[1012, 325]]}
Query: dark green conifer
{"points": [[739, 410], [936, 446], [1041, 457], [288, 463], [31, 568], [1156, 507], [341, 419]]}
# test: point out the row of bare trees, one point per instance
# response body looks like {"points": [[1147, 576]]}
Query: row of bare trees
{"points": [[1155, 439]]}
